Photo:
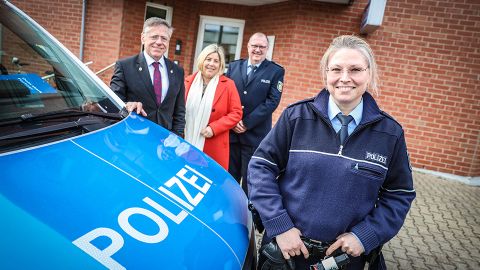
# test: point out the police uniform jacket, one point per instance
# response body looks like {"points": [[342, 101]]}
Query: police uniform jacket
{"points": [[260, 97], [324, 190]]}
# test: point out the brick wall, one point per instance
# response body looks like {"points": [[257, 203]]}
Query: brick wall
{"points": [[428, 55], [132, 24], [429, 59], [103, 34], [62, 18], [432, 85]]}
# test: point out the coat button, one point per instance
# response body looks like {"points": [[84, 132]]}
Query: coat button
{"points": [[244, 92], [243, 107]]}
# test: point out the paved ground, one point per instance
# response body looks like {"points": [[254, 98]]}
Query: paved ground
{"points": [[442, 229]]}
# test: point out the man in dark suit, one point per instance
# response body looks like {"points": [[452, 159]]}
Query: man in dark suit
{"points": [[150, 83], [259, 83]]}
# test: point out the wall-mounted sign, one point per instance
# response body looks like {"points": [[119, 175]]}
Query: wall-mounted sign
{"points": [[372, 16]]}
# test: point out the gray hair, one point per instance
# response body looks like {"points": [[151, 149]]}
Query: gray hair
{"points": [[259, 34], [155, 21], [212, 48], [356, 43]]}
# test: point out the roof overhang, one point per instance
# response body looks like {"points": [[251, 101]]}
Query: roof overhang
{"points": [[266, 2]]}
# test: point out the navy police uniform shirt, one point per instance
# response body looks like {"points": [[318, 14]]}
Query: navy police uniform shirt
{"points": [[260, 97]]}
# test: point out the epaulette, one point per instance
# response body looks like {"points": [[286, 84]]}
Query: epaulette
{"points": [[237, 60], [301, 101], [277, 65], [391, 117]]}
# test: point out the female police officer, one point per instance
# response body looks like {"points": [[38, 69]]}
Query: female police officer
{"points": [[335, 167]]}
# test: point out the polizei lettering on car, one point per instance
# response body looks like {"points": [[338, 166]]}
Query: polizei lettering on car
{"points": [[158, 214]]}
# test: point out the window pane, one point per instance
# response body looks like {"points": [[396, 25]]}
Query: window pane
{"points": [[155, 12], [211, 35], [226, 36]]}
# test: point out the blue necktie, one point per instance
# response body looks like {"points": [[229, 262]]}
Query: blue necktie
{"points": [[250, 75], [343, 133]]}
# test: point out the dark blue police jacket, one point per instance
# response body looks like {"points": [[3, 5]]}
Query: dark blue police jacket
{"points": [[260, 97]]}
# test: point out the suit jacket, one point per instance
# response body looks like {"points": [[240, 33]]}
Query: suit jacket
{"points": [[226, 113], [131, 82], [260, 97]]}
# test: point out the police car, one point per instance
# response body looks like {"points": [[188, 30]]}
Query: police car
{"points": [[85, 185]]}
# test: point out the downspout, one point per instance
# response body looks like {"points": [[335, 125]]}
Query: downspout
{"points": [[82, 30]]}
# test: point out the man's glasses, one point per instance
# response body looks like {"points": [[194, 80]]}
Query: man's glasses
{"points": [[257, 47], [354, 71], [156, 37]]}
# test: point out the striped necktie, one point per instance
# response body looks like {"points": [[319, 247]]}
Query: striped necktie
{"points": [[250, 75]]}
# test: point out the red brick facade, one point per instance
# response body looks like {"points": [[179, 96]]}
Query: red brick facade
{"points": [[427, 51]]}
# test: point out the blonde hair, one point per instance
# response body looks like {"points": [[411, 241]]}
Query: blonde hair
{"points": [[212, 48], [356, 43]]}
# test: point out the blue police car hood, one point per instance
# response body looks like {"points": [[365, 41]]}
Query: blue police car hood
{"points": [[131, 195]]}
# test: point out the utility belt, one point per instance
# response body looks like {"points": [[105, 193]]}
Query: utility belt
{"points": [[315, 248], [271, 257]]}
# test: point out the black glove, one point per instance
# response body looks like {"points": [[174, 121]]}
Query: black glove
{"points": [[271, 258]]}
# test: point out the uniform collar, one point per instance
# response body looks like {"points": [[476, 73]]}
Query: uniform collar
{"points": [[257, 65], [356, 113], [371, 111]]}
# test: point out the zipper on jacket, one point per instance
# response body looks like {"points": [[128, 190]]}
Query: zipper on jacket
{"points": [[360, 127]]}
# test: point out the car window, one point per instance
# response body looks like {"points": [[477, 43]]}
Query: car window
{"points": [[38, 77], [35, 78]]}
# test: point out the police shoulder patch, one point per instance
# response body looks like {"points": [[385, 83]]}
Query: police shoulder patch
{"points": [[409, 162], [280, 86]]}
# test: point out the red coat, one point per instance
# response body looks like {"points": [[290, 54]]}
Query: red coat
{"points": [[226, 113]]}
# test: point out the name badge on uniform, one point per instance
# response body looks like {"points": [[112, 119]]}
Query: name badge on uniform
{"points": [[265, 81], [376, 157]]}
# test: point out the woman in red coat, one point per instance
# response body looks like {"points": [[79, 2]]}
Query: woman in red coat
{"points": [[212, 106]]}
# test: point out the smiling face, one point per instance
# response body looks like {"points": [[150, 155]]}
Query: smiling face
{"points": [[257, 48], [211, 66], [347, 78], [155, 40]]}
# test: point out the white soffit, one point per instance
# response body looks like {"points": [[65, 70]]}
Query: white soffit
{"points": [[265, 2]]}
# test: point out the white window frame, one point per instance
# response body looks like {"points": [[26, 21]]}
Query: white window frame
{"points": [[271, 44], [220, 21]]}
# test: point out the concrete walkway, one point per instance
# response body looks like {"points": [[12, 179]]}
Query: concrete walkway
{"points": [[442, 229]]}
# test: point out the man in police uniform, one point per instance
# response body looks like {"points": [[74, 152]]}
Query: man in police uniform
{"points": [[259, 83]]}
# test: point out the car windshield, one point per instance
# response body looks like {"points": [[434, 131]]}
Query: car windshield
{"points": [[39, 77]]}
